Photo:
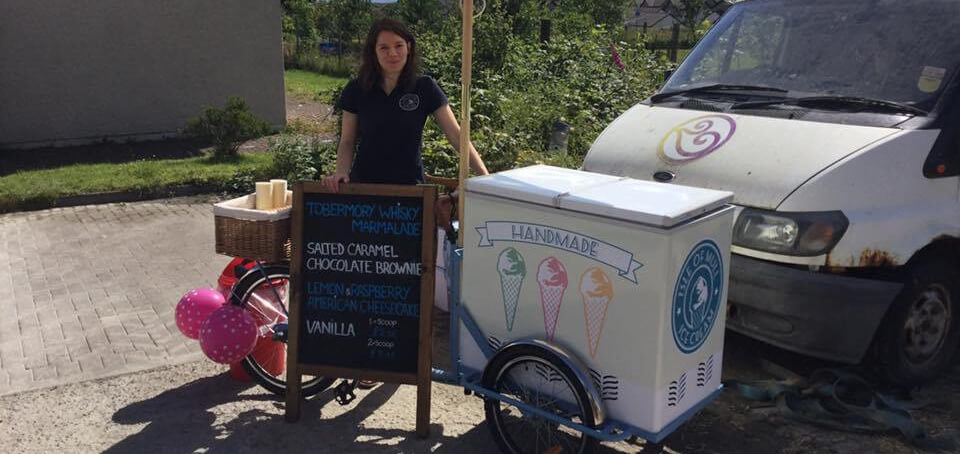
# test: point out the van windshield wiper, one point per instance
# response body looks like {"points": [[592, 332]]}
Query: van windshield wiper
{"points": [[836, 100], [714, 88]]}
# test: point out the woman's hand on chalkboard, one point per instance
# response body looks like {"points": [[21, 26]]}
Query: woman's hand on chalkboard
{"points": [[332, 182]]}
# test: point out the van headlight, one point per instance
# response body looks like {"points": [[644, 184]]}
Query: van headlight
{"points": [[802, 234]]}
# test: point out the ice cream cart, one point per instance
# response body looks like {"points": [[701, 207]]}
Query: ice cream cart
{"points": [[584, 307], [588, 302]]}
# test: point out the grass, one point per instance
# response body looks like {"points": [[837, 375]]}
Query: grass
{"points": [[42, 187], [310, 85], [322, 63]]}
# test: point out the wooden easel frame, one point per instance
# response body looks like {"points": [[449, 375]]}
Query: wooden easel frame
{"points": [[422, 379]]}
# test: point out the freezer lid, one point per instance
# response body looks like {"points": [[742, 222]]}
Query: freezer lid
{"points": [[539, 184], [656, 204]]}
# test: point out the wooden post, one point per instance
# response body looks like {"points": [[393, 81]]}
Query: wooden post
{"points": [[294, 378], [427, 279], [545, 30], [675, 43], [466, 65]]}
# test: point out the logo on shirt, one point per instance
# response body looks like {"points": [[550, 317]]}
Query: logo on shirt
{"points": [[409, 102]]}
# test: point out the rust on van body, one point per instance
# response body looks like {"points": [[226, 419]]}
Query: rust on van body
{"points": [[869, 258]]}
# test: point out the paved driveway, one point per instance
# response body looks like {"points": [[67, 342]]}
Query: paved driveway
{"points": [[88, 292]]}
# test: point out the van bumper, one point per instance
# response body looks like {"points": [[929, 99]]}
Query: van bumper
{"points": [[823, 315]]}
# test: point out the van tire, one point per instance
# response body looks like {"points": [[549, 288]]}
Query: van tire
{"points": [[921, 330]]}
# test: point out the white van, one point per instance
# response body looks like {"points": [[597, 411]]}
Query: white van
{"points": [[835, 123]]}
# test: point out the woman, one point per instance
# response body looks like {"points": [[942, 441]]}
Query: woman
{"points": [[384, 111]]}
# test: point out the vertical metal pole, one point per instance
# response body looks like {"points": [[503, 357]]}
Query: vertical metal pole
{"points": [[466, 73]]}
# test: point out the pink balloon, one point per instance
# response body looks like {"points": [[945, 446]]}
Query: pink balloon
{"points": [[194, 308], [228, 335], [224, 290]]}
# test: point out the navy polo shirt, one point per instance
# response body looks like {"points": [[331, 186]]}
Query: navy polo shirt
{"points": [[390, 130]]}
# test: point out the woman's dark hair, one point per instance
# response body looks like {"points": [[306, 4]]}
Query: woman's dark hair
{"points": [[370, 72]]}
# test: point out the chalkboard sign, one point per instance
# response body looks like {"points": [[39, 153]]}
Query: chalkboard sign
{"points": [[362, 280]]}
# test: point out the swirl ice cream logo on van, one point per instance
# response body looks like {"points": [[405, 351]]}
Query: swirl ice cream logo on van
{"points": [[696, 138]]}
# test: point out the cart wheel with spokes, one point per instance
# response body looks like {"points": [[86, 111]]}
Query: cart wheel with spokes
{"points": [[264, 292], [538, 378]]}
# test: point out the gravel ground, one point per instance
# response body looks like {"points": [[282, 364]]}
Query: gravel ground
{"points": [[196, 407]]}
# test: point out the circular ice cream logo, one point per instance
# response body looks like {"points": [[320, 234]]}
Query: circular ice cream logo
{"points": [[409, 102], [696, 297], [696, 138]]}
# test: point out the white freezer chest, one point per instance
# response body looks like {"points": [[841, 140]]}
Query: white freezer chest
{"points": [[628, 276]]}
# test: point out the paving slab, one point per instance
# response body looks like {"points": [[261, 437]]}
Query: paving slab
{"points": [[89, 291]]}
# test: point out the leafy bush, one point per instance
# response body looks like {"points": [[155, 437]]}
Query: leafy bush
{"points": [[227, 128], [523, 88], [584, 76], [245, 177], [302, 158]]}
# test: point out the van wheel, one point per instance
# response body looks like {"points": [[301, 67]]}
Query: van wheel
{"points": [[921, 330]]}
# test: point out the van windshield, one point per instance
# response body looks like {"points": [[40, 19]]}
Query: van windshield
{"points": [[892, 50]]}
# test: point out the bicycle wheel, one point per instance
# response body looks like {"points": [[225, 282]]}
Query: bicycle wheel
{"points": [[537, 378], [264, 292]]}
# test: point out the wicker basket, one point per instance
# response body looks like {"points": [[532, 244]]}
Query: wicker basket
{"points": [[242, 231]]}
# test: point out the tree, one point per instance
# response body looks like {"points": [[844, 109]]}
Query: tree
{"points": [[424, 14], [349, 19], [692, 13], [299, 22], [608, 12], [527, 17], [523, 15], [603, 12], [323, 21]]}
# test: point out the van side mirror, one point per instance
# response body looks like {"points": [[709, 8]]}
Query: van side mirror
{"points": [[667, 74]]}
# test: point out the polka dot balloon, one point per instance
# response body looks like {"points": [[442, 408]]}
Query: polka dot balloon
{"points": [[194, 308], [228, 335]]}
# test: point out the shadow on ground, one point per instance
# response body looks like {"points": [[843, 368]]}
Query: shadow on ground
{"points": [[12, 161], [183, 420], [215, 415]]}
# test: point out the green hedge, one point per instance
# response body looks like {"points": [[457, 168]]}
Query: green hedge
{"points": [[522, 88]]}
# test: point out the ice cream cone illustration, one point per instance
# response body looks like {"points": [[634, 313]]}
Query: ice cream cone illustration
{"points": [[597, 292], [512, 270], [552, 277]]}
